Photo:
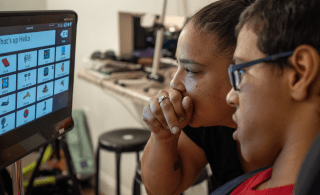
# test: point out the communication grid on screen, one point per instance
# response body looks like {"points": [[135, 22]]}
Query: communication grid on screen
{"points": [[37, 55], [34, 72]]}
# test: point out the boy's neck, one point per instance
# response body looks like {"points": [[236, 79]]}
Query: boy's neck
{"points": [[302, 130]]}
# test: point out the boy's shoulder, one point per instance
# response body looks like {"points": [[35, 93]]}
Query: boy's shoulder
{"points": [[233, 184]]}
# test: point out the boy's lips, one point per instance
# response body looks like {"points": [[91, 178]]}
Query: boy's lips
{"points": [[235, 133], [234, 118]]}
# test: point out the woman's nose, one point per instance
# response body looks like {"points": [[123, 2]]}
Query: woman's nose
{"points": [[177, 81], [232, 98]]}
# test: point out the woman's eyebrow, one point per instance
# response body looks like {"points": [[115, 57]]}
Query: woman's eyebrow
{"points": [[188, 61]]}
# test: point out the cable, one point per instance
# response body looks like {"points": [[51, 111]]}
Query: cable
{"points": [[123, 104]]}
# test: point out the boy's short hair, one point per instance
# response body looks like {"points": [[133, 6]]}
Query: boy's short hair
{"points": [[283, 25]]}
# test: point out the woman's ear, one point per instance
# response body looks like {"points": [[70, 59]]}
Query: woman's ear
{"points": [[305, 62]]}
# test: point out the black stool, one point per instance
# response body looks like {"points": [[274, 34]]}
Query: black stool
{"points": [[119, 141], [137, 181]]}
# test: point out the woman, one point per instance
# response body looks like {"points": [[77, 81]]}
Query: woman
{"points": [[195, 103]]}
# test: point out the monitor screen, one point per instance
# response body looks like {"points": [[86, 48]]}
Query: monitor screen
{"points": [[137, 41], [37, 51]]}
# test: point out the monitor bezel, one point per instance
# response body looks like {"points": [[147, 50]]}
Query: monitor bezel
{"points": [[23, 140]]}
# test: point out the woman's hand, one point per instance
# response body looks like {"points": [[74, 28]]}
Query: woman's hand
{"points": [[167, 113]]}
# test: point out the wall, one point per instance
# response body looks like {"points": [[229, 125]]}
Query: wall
{"points": [[98, 30], [17, 5]]}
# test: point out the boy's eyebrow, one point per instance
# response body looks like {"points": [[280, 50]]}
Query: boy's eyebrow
{"points": [[188, 61]]}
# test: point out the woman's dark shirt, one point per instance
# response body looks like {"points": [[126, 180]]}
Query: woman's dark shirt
{"points": [[221, 152]]}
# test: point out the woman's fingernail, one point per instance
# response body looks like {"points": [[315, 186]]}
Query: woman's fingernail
{"points": [[181, 119], [174, 130]]}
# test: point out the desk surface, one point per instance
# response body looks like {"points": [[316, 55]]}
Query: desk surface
{"points": [[132, 90]]}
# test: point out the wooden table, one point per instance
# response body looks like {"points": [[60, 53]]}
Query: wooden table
{"points": [[132, 91]]}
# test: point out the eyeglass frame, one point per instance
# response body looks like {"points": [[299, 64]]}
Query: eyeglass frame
{"points": [[233, 70]]}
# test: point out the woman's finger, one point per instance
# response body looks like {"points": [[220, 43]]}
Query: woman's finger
{"points": [[157, 112], [153, 123], [170, 115]]}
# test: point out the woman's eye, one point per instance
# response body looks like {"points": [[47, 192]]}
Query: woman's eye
{"points": [[176, 63], [188, 70]]}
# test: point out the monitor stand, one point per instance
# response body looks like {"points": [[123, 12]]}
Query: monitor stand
{"points": [[17, 178]]}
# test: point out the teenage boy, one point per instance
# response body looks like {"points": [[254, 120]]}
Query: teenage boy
{"points": [[276, 91]]}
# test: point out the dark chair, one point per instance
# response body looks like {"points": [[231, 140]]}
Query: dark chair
{"points": [[119, 141], [308, 182], [137, 180]]}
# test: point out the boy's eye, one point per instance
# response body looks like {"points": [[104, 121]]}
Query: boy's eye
{"points": [[241, 73]]}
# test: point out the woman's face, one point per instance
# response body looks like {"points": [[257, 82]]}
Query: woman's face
{"points": [[203, 75]]}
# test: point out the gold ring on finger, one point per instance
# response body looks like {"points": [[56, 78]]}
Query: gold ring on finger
{"points": [[162, 98]]}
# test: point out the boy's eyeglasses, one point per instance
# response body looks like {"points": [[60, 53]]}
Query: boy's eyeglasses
{"points": [[235, 69]]}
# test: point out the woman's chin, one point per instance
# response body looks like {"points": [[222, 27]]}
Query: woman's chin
{"points": [[197, 122], [194, 123], [194, 126], [200, 123]]}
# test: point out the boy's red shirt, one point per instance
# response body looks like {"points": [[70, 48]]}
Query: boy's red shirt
{"points": [[248, 187]]}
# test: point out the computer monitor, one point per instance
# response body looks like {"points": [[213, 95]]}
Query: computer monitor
{"points": [[37, 52], [137, 41]]}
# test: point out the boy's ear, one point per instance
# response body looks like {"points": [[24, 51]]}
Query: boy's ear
{"points": [[305, 61]]}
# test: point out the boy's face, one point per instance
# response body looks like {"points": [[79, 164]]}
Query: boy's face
{"points": [[261, 103]]}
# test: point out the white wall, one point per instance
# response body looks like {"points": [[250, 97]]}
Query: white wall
{"points": [[17, 5], [98, 30]]}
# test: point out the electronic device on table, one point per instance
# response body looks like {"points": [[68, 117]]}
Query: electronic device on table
{"points": [[37, 56], [137, 41]]}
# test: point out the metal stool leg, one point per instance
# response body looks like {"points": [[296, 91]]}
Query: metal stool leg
{"points": [[72, 173], [138, 157], [97, 170], [136, 187], [118, 158], [136, 184]]}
